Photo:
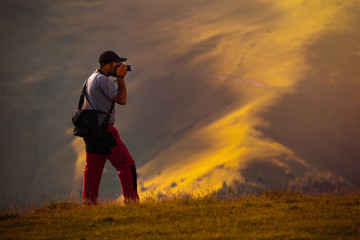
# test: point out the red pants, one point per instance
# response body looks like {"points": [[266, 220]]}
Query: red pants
{"points": [[120, 158]]}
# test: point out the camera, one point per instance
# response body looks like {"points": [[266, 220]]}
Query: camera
{"points": [[128, 68]]}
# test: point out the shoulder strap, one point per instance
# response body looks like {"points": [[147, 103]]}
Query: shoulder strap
{"points": [[81, 100], [83, 95]]}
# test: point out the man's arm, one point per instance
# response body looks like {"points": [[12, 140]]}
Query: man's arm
{"points": [[120, 98]]}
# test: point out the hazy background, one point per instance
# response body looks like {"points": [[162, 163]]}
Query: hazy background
{"points": [[247, 94]]}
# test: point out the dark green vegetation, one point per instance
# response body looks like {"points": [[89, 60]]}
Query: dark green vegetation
{"points": [[272, 215]]}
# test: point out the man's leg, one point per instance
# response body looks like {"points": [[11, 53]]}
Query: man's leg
{"points": [[92, 176], [121, 159]]}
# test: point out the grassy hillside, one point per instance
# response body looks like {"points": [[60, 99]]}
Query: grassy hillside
{"points": [[264, 92], [272, 215]]}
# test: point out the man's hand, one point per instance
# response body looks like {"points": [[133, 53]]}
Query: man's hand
{"points": [[121, 70]]}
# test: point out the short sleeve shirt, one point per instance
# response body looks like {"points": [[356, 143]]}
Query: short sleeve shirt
{"points": [[100, 92]]}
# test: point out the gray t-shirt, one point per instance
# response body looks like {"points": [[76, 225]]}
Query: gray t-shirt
{"points": [[100, 92]]}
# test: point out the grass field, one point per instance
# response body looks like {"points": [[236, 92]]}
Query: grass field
{"points": [[271, 215]]}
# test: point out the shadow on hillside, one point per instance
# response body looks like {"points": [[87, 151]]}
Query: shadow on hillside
{"points": [[319, 121]]}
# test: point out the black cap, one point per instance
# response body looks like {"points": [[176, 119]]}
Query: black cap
{"points": [[109, 57]]}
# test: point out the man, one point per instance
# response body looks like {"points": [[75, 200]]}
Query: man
{"points": [[100, 95]]}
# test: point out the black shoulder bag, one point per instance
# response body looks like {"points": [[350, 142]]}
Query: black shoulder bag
{"points": [[90, 123]]}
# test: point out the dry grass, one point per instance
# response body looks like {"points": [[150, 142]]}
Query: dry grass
{"points": [[271, 215]]}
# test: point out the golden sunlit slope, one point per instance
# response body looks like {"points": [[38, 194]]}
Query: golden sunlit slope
{"points": [[263, 58], [264, 92]]}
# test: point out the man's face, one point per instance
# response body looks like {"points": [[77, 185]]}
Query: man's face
{"points": [[114, 66]]}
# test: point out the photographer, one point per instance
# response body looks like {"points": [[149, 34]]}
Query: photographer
{"points": [[101, 95]]}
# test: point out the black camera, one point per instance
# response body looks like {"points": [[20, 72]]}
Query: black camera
{"points": [[128, 68]]}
